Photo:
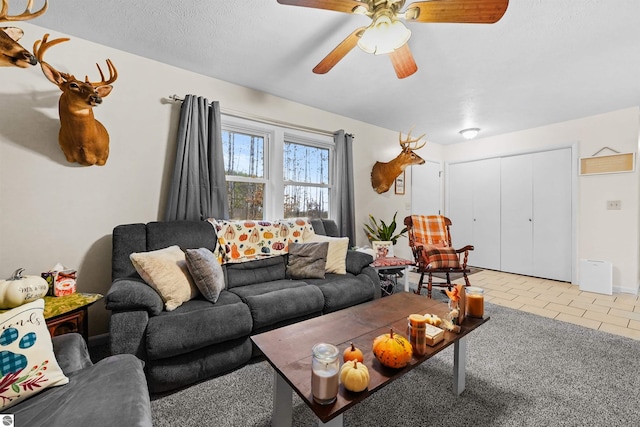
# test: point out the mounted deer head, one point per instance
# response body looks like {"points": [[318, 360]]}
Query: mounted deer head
{"points": [[82, 138], [11, 53], [383, 174]]}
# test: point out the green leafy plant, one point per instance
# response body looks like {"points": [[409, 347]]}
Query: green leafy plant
{"points": [[379, 230]]}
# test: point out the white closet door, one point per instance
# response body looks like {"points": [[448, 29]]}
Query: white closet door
{"points": [[425, 188], [517, 214], [486, 215], [552, 214], [460, 202]]}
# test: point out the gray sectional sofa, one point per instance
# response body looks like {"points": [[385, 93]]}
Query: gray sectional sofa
{"points": [[113, 392], [200, 339]]}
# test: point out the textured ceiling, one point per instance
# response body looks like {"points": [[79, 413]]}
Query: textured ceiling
{"points": [[545, 62]]}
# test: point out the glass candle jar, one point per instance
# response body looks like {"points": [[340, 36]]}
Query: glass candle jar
{"points": [[475, 302], [325, 369]]}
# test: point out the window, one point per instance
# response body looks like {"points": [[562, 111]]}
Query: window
{"points": [[276, 173], [306, 180], [244, 166]]}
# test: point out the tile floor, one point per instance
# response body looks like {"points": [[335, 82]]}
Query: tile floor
{"points": [[617, 314]]}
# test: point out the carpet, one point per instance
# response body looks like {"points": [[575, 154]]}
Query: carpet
{"points": [[522, 370]]}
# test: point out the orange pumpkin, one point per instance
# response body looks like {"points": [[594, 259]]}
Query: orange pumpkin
{"points": [[352, 353], [250, 251], [392, 350], [243, 237], [268, 235], [235, 254]]}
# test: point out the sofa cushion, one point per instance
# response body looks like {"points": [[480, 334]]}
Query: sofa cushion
{"points": [[356, 261], [27, 362], [260, 288], [206, 272], [307, 260], [165, 270], [277, 306], [111, 392], [256, 271], [197, 324], [343, 290], [337, 254]]}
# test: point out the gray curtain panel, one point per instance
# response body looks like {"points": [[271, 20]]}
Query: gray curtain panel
{"points": [[198, 187], [346, 203]]}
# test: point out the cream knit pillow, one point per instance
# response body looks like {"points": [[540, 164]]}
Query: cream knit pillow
{"points": [[165, 270]]}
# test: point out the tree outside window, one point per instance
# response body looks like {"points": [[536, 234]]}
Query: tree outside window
{"points": [[272, 173]]}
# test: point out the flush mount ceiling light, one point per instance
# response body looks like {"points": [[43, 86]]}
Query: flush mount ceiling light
{"points": [[470, 133], [387, 35]]}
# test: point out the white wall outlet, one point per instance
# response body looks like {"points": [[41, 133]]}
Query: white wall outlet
{"points": [[614, 205]]}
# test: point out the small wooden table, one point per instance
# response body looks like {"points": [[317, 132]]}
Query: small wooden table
{"points": [[288, 350], [69, 313], [395, 265]]}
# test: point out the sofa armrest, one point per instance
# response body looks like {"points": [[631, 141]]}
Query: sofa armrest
{"points": [[71, 352], [356, 261], [133, 294]]}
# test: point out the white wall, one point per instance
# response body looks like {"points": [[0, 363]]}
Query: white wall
{"points": [[602, 234], [53, 211]]}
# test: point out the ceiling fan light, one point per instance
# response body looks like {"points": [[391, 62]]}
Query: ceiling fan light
{"points": [[470, 133], [384, 36]]}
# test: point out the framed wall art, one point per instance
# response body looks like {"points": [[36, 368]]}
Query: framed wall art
{"points": [[399, 185]]}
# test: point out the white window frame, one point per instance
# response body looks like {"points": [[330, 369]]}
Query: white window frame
{"points": [[275, 137]]}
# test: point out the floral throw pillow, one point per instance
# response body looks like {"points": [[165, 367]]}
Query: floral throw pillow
{"points": [[27, 362]]}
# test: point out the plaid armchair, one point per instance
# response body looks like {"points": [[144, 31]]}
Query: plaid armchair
{"points": [[430, 242]]}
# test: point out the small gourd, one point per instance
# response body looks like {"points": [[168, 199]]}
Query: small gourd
{"points": [[392, 350], [21, 289], [354, 376], [352, 353]]}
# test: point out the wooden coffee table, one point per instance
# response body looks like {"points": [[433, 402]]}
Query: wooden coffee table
{"points": [[288, 350]]}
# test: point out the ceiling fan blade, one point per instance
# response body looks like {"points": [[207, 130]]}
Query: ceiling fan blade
{"points": [[454, 11], [339, 52], [403, 61], [346, 6]]}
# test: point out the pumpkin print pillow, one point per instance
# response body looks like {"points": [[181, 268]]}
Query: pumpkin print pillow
{"points": [[27, 362], [242, 240]]}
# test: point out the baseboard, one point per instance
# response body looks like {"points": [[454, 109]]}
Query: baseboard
{"points": [[625, 290], [96, 340]]}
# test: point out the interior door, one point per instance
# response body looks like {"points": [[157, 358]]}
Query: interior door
{"points": [[460, 202], [516, 207], [425, 188], [552, 214], [486, 214]]}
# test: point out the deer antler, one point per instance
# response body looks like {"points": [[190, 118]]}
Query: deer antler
{"points": [[27, 14], [113, 75], [406, 144], [40, 47]]}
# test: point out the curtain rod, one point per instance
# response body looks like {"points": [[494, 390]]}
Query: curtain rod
{"points": [[262, 119]]}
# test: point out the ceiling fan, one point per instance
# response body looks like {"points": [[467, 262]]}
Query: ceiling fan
{"points": [[388, 35]]}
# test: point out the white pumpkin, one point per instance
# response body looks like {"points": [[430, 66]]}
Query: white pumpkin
{"points": [[21, 289]]}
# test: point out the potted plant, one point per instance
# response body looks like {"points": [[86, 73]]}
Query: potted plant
{"points": [[380, 231]]}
